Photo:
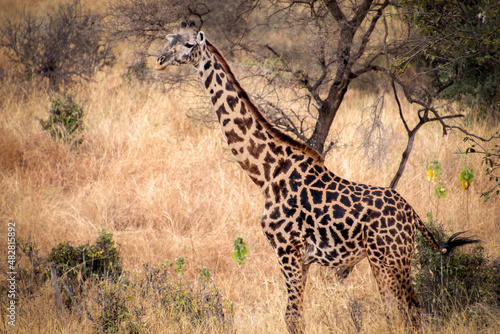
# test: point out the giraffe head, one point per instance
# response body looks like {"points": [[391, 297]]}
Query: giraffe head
{"points": [[183, 47]]}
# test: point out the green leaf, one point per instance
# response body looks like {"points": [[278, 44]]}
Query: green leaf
{"points": [[179, 263], [440, 191], [205, 274], [240, 252], [467, 175]]}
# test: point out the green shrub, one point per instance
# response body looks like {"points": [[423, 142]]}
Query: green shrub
{"points": [[456, 281], [65, 120], [77, 264], [100, 259]]}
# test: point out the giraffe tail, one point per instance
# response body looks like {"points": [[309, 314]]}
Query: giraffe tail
{"points": [[453, 241]]}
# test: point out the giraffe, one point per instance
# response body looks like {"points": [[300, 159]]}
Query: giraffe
{"points": [[311, 215]]}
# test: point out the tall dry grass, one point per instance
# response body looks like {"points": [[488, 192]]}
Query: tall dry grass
{"points": [[165, 186]]}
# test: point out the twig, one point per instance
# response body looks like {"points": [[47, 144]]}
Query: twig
{"points": [[495, 136], [55, 287], [399, 106], [73, 299]]}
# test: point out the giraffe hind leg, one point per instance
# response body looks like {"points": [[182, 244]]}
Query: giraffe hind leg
{"points": [[397, 291]]}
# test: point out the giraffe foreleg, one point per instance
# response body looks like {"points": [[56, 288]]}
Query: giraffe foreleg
{"points": [[290, 251], [294, 273]]}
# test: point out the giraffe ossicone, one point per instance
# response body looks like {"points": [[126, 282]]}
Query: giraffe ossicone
{"points": [[310, 214]]}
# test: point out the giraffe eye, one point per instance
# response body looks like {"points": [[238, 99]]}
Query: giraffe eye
{"points": [[188, 45]]}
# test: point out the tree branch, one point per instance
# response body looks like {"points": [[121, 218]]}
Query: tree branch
{"points": [[366, 36], [425, 105], [399, 107], [469, 134], [335, 10]]}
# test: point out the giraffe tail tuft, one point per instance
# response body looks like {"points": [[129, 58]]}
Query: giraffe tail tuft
{"points": [[455, 241]]}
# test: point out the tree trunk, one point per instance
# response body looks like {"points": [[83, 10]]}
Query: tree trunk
{"points": [[343, 75], [326, 115]]}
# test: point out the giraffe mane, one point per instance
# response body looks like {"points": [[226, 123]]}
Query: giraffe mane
{"points": [[279, 135]]}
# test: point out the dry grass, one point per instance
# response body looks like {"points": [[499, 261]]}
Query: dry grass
{"points": [[166, 187]]}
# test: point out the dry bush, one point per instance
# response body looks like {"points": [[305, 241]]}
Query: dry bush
{"points": [[62, 46]]}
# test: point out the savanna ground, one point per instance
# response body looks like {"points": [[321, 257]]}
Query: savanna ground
{"points": [[164, 184]]}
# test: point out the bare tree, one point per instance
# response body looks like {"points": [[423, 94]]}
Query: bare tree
{"points": [[304, 55], [143, 21], [61, 46], [331, 45]]}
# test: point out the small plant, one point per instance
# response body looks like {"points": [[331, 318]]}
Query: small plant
{"points": [[205, 275], [440, 191], [65, 120], [466, 177], [167, 263], [179, 263], [434, 171], [200, 303], [239, 254]]}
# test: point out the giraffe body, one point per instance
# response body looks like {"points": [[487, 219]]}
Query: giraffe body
{"points": [[310, 214]]}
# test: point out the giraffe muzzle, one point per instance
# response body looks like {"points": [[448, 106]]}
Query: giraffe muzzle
{"points": [[162, 62]]}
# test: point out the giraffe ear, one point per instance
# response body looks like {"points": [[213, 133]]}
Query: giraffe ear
{"points": [[170, 37], [200, 39]]}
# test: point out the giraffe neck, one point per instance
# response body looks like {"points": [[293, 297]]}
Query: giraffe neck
{"points": [[259, 148]]}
